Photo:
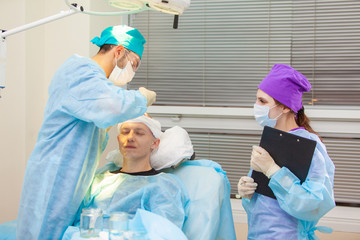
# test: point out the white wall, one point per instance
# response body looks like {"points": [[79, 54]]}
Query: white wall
{"points": [[32, 58], [12, 111]]}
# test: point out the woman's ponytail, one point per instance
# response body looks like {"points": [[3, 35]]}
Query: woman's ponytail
{"points": [[303, 121]]}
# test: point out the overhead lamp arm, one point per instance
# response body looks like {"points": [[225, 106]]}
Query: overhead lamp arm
{"points": [[74, 8], [60, 15], [6, 33]]}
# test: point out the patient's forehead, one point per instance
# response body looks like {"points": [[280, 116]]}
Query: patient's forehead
{"points": [[135, 126]]}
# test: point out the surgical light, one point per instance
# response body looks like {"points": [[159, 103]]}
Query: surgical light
{"points": [[175, 7], [127, 4]]}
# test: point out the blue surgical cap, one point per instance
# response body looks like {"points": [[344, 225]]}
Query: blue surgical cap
{"points": [[123, 35]]}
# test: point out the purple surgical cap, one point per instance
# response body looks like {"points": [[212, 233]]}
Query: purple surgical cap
{"points": [[286, 85]]}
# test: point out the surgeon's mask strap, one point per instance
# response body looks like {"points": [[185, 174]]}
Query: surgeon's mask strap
{"points": [[278, 115]]}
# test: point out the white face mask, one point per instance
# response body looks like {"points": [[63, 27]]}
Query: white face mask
{"points": [[122, 76], [261, 114]]}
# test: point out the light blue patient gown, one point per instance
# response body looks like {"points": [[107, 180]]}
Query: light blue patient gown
{"points": [[298, 207], [162, 194], [82, 103]]}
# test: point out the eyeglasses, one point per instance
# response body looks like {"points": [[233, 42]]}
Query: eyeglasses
{"points": [[133, 58]]}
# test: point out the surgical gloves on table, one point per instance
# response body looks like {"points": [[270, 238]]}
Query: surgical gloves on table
{"points": [[246, 187], [149, 95], [261, 161]]}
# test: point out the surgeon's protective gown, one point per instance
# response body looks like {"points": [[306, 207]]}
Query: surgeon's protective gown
{"points": [[298, 207], [82, 104]]}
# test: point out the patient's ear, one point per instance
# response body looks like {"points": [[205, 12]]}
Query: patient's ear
{"points": [[155, 144]]}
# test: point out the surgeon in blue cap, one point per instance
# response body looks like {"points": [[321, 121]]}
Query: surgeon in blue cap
{"points": [[84, 100]]}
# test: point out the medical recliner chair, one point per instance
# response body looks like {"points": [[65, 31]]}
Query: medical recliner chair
{"points": [[210, 214]]}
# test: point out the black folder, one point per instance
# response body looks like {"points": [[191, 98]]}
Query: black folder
{"points": [[287, 150]]}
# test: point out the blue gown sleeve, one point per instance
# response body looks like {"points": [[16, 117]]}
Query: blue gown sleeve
{"points": [[314, 197], [93, 98]]}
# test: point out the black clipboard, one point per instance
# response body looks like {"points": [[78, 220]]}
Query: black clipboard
{"points": [[287, 150]]}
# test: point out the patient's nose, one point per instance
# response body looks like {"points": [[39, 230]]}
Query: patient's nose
{"points": [[130, 136]]}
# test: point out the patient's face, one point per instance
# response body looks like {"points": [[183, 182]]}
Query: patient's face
{"points": [[136, 141]]}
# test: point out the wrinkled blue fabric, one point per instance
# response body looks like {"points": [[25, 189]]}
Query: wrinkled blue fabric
{"points": [[298, 207], [162, 194], [156, 226], [210, 207], [82, 103]]}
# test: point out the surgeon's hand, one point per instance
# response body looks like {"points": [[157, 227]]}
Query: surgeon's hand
{"points": [[261, 161], [246, 187], [150, 95]]}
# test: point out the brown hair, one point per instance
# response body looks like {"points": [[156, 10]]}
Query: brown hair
{"points": [[301, 119], [105, 48]]}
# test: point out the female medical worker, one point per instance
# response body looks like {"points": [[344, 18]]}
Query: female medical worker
{"points": [[298, 207], [82, 104]]}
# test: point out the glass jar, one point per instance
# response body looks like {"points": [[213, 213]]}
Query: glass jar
{"points": [[118, 225], [91, 222]]}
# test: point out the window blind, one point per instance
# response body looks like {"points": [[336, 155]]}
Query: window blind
{"points": [[345, 154], [223, 49], [219, 54], [326, 48]]}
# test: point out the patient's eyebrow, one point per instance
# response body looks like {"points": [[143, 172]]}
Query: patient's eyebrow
{"points": [[135, 129]]}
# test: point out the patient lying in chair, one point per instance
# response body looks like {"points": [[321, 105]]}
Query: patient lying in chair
{"points": [[137, 185]]}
